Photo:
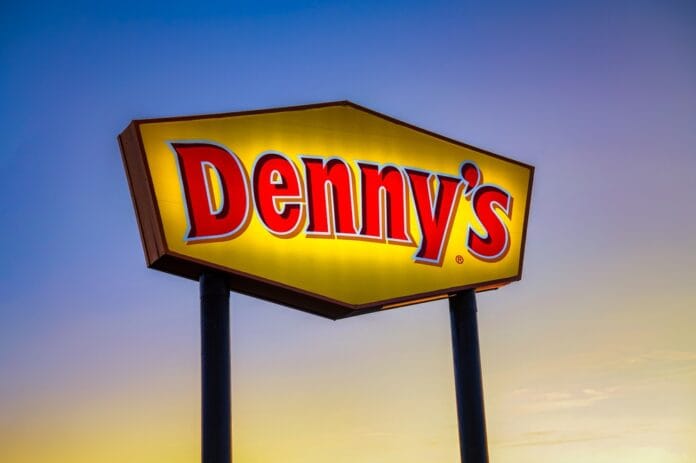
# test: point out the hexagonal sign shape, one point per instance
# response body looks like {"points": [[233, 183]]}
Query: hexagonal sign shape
{"points": [[330, 208]]}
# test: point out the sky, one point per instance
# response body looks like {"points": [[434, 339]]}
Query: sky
{"points": [[590, 358]]}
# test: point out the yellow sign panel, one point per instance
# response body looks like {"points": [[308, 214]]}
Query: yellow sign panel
{"points": [[331, 208]]}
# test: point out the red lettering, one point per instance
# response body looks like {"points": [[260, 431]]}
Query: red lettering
{"points": [[277, 193], [329, 179], [201, 166], [471, 176], [494, 244], [434, 217], [217, 200], [383, 196]]}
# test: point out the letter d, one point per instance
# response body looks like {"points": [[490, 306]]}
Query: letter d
{"points": [[216, 190]]}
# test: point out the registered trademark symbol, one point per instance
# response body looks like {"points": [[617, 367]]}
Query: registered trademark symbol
{"points": [[459, 259]]}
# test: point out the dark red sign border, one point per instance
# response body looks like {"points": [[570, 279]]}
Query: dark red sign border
{"points": [[159, 257]]}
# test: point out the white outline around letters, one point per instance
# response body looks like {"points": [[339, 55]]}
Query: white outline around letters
{"points": [[450, 219], [328, 196], [382, 194], [285, 199], [245, 178], [507, 232]]}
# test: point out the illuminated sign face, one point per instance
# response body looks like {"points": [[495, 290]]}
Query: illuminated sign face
{"points": [[331, 208]]}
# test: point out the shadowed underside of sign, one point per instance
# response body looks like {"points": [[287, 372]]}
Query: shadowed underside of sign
{"points": [[332, 208]]}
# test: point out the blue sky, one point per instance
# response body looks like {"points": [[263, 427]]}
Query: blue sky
{"points": [[600, 97]]}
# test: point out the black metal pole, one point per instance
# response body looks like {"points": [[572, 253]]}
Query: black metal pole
{"points": [[467, 378], [216, 434]]}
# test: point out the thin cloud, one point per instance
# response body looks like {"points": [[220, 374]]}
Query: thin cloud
{"points": [[670, 356], [562, 400], [545, 438]]}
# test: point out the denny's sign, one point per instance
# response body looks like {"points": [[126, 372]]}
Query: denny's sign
{"points": [[331, 208]]}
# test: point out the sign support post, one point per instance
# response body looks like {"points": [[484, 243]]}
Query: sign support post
{"points": [[216, 434], [467, 378]]}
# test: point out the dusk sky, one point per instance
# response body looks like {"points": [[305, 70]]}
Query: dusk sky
{"points": [[591, 357]]}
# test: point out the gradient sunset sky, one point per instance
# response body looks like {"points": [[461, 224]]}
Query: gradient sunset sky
{"points": [[590, 358]]}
